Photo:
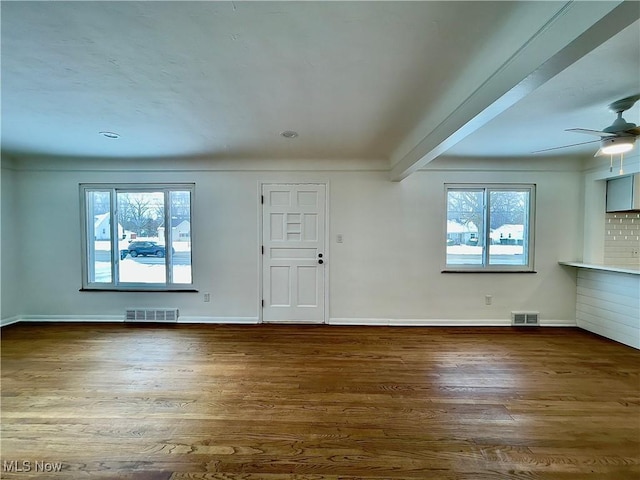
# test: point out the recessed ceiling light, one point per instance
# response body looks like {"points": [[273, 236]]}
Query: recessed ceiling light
{"points": [[289, 134], [110, 134]]}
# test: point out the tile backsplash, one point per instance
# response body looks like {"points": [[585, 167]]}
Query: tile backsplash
{"points": [[622, 238]]}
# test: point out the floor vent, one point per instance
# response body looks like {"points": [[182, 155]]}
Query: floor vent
{"points": [[151, 315], [525, 319]]}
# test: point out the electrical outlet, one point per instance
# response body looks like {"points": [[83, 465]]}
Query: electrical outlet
{"points": [[488, 299], [207, 297], [339, 238]]}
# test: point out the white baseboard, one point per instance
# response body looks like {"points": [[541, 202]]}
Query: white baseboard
{"points": [[216, 320], [9, 321], [558, 323], [120, 319], [391, 322], [445, 322], [72, 318], [359, 321]]}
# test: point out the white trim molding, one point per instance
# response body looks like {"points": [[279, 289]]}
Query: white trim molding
{"points": [[9, 321], [372, 322], [120, 319], [73, 318], [442, 322], [219, 320]]}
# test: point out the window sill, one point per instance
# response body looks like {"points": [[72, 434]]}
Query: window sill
{"points": [[139, 290], [453, 270]]}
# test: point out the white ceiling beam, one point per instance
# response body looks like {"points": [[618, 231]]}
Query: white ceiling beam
{"points": [[577, 29]]}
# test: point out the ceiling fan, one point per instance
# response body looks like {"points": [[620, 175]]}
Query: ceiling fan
{"points": [[619, 137]]}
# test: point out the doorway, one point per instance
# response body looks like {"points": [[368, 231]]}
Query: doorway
{"points": [[293, 253]]}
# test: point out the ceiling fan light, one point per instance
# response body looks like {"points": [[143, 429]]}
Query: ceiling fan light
{"points": [[616, 145]]}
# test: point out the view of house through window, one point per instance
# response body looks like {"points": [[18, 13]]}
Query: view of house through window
{"points": [[148, 243], [490, 227]]}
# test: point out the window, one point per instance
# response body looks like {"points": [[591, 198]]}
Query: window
{"points": [[490, 227], [137, 236]]}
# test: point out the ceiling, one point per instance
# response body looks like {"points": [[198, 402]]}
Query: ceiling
{"points": [[401, 81], [577, 97]]}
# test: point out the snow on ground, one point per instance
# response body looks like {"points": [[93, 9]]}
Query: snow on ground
{"points": [[140, 272], [493, 249], [134, 272], [105, 245]]}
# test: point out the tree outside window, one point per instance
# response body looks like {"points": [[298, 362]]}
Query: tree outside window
{"points": [[490, 227], [137, 236]]}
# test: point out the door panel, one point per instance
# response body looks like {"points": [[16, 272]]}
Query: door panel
{"points": [[294, 241], [280, 293], [307, 287]]}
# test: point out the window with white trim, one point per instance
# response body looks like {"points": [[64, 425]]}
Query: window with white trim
{"points": [[490, 227], [137, 236]]}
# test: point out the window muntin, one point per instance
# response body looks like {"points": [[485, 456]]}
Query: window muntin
{"points": [[132, 252], [489, 227], [180, 202], [98, 236]]}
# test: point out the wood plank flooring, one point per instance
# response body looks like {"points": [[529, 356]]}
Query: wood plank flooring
{"points": [[270, 402]]}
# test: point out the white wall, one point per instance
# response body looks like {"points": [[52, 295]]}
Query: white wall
{"points": [[10, 256], [388, 267], [390, 262], [224, 255]]}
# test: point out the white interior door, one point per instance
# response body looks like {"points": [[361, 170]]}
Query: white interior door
{"points": [[294, 260]]}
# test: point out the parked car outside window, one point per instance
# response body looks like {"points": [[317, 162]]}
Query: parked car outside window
{"points": [[144, 248]]}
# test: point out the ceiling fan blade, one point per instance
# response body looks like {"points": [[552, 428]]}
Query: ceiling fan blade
{"points": [[565, 146], [598, 133], [633, 131]]}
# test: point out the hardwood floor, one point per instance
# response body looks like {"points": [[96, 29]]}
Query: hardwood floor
{"points": [[271, 402]]}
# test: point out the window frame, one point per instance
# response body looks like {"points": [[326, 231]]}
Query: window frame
{"points": [[485, 266], [87, 234]]}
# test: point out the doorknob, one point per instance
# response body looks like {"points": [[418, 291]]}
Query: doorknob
{"points": [[320, 261]]}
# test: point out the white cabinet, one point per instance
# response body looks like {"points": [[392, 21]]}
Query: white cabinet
{"points": [[623, 194]]}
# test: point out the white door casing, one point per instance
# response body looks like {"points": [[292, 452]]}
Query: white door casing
{"points": [[294, 259]]}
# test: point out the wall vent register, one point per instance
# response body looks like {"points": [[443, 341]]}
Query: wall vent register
{"points": [[525, 319], [169, 315]]}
